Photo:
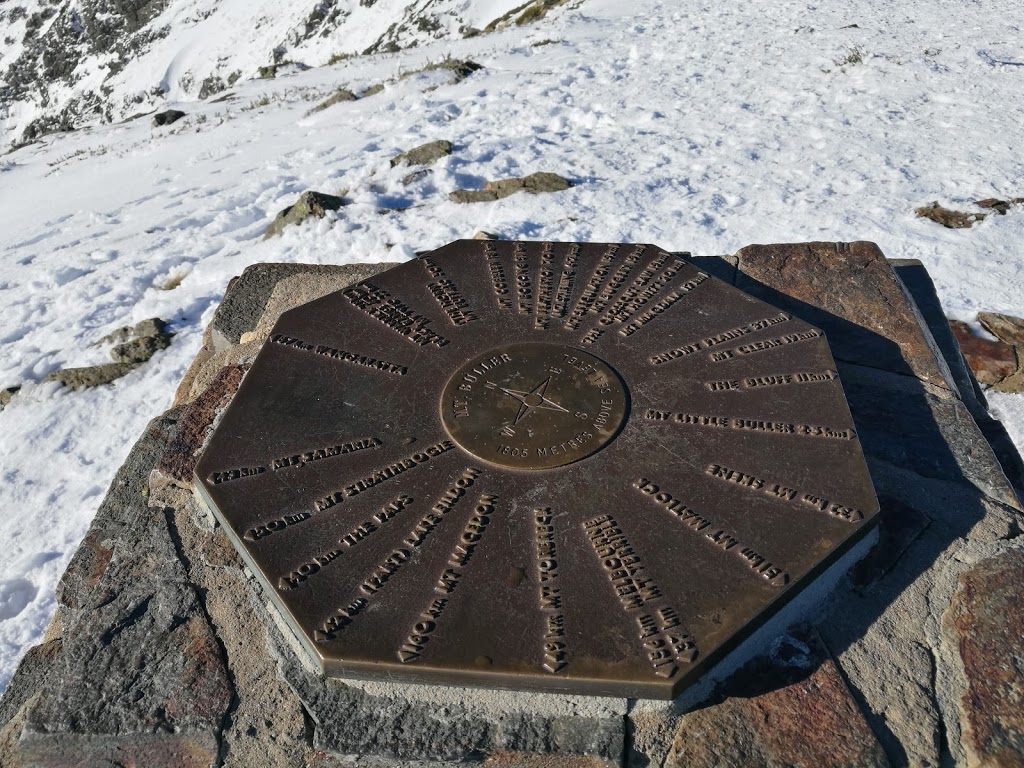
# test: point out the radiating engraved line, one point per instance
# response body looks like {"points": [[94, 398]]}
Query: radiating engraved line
{"points": [[382, 475], [447, 294], [448, 580], [777, 491], [339, 354], [665, 643], [556, 654], [620, 276], [717, 536], [524, 285], [642, 293], [771, 380], [360, 533], [719, 338], [589, 294], [307, 457], [499, 281], [660, 307], [749, 425], [394, 313], [382, 573], [546, 281], [761, 346], [566, 282]]}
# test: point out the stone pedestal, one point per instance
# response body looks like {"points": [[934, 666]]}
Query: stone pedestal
{"points": [[164, 652]]}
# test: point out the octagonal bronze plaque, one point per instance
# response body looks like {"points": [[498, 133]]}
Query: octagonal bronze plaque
{"points": [[566, 467]]}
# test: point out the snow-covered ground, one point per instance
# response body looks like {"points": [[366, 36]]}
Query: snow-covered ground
{"points": [[696, 126]]}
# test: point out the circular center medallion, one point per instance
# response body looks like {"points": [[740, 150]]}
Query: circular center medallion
{"points": [[534, 406]]}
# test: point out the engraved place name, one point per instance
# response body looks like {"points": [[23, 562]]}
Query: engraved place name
{"points": [[749, 425], [339, 354], [620, 276], [295, 460], [264, 530], [447, 294], [761, 346], [448, 580], [662, 306], [307, 457], [382, 573], [523, 284], [499, 282], [715, 535], [393, 470], [550, 592], [719, 338], [641, 294], [546, 278], [477, 371], [566, 282], [590, 290], [361, 532], [771, 380], [394, 313], [777, 491], [665, 643]]}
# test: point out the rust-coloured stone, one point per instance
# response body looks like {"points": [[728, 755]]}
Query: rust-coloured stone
{"points": [[178, 462], [851, 293], [991, 361], [798, 712], [566, 467], [986, 621]]}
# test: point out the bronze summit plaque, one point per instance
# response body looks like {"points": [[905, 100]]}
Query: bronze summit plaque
{"points": [[569, 467]]}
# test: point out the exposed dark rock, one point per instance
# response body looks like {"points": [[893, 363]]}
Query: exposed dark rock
{"points": [[373, 90], [90, 376], [535, 183], [340, 95], [992, 362], [986, 623], [167, 117], [140, 350], [310, 204], [790, 709], [425, 154], [6, 394], [1006, 328], [412, 178], [999, 206], [949, 218]]}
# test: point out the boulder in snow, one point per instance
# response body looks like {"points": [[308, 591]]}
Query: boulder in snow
{"points": [[167, 117], [309, 204], [425, 154]]}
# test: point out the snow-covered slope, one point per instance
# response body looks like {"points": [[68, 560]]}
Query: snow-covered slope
{"points": [[700, 127], [67, 63]]}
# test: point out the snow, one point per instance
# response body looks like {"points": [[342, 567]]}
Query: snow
{"points": [[701, 128]]}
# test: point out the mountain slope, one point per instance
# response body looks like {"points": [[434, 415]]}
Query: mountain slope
{"points": [[67, 63]]}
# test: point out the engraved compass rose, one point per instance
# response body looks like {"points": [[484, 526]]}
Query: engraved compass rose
{"points": [[533, 399], [486, 402]]}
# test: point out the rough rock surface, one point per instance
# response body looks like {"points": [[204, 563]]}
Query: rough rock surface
{"points": [[994, 363], [765, 710], [90, 376], [914, 659], [535, 183], [425, 154], [949, 218], [310, 204], [167, 117], [340, 95], [1006, 328], [986, 623], [849, 291]]}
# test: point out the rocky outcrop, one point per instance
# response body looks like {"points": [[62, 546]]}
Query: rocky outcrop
{"points": [[310, 205], [425, 154], [996, 364], [535, 183]]}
